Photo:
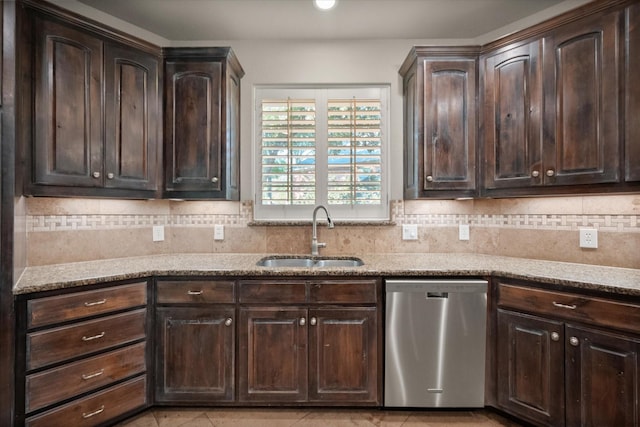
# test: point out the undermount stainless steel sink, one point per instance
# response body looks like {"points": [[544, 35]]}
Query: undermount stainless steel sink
{"points": [[320, 262]]}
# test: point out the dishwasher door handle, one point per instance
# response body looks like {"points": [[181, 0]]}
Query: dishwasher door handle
{"points": [[430, 295]]}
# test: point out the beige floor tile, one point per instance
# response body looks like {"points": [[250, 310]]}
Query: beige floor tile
{"points": [[255, 417], [146, 419], [315, 417], [180, 417]]}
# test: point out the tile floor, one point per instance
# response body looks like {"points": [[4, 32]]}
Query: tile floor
{"points": [[304, 417]]}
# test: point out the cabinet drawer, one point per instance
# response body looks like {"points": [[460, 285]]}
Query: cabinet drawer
{"points": [[195, 291], [564, 305], [268, 291], [59, 344], [343, 291], [97, 408], [50, 310], [57, 384]]}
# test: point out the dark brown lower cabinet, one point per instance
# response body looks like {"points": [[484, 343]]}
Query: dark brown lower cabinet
{"points": [[556, 371], [195, 356], [530, 368], [295, 354]]}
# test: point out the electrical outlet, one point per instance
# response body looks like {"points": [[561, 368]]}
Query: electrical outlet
{"points": [[158, 233], [409, 232], [463, 232], [218, 232], [589, 238]]}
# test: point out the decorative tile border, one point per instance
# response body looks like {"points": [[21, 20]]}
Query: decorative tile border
{"points": [[609, 223]]}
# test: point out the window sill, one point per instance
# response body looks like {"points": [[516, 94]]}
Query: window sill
{"points": [[295, 223]]}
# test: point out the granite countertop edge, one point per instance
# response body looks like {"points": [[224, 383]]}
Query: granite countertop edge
{"points": [[615, 280]]}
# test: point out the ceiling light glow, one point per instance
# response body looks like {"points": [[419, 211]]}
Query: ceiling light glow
{"points": [[324, 4]]}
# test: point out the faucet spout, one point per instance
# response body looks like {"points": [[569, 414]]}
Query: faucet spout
{"points": [[315, 245]]}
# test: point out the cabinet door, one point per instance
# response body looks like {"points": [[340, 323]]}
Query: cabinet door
{"points": [[602, 378], [273, 354], [67, 149], [581, 68], [632, 93], [513, 101], [131, 119], [195, 357], [343, 359], [193, 125], [450, 125], [530, 358]]}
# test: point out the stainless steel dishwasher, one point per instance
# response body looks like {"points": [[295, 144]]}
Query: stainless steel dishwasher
{"points": [[435, 339]]}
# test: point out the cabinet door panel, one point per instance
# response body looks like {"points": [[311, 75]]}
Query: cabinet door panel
{"points": [[68, 107], [196, 354], [342, 355], [193, 126], [602, 379], [632, 93], [530, 367], [273, 354], [512, 117], [450, 126], [581, 102], [131, 85]]}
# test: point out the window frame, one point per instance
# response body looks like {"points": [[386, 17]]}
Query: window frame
{"points": [[322, 93]]}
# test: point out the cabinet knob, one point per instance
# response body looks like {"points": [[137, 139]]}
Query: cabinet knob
{"points": [[550, 172], [214, 179], [228, 322], [429, 178], [555, 336], [96, 174], [303, 321], [110, 175], [535, 174], [313, 321], [574, 341]]}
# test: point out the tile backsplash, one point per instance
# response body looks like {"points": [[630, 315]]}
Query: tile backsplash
{"points": [[66, 230]]}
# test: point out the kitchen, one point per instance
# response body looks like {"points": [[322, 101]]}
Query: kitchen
{"points": [[50, 231]]}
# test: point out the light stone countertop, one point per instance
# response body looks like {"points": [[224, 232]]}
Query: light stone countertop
{"points": [[605, 279]]}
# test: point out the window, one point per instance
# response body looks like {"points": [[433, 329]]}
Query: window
{"points": [[321, 146]]}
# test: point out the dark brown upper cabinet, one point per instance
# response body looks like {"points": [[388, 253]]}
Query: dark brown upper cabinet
{"points": [[202, 123], [632, 93], [512, 116], [95, 102], [581, 117], [440, 122]]}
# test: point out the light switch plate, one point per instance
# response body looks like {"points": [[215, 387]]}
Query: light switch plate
{"points": [[218, 232], [463, 232], [409, 232], [158, 233]]}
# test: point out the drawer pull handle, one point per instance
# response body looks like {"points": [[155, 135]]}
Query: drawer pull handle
{"points": [[567, 306], [94, 337], [195, 292], [91, 304], [86, 415], [93, 375], [228, 322]]}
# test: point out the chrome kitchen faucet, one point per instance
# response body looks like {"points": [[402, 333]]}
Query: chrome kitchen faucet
{"points": [[314, 239]]}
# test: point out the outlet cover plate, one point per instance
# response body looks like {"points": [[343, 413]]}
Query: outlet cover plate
{"points": [[589, 238], [410, 232]]}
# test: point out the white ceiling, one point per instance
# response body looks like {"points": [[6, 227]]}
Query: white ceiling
{"points": [[193, 20]]}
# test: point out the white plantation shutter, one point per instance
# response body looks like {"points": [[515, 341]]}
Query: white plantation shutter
{"points": [[354, 152], [288, 144], [321, 146]]}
